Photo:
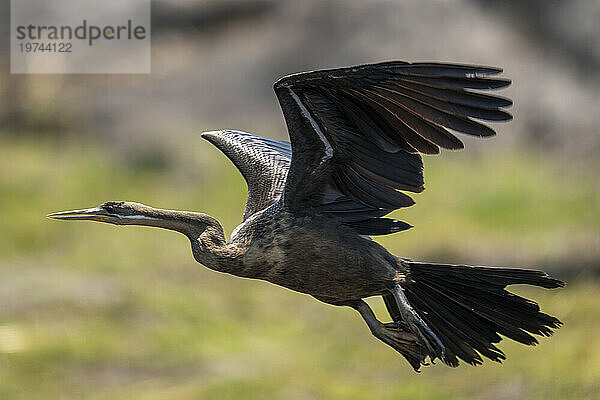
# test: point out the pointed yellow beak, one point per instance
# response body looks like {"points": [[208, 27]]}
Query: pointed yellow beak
{"points": [[88, 214]]}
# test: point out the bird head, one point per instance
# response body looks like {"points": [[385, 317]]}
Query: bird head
{"points": [[113, 212]]}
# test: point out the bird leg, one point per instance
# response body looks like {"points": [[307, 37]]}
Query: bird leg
{"points": [[394, 335], [416, 325]]}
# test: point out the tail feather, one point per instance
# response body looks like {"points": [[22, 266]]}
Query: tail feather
{"points": [[512, 322], [463, 335], [468, 307]]}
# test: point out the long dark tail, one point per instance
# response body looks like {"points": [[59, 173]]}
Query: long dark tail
{"points": [[468, 307]]}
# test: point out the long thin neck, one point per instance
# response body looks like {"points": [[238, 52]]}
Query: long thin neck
{"points": [[209, 245], [211, 249], [186, 222]]}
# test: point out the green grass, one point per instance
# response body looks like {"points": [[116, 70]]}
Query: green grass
{"points": [[92, 311]]}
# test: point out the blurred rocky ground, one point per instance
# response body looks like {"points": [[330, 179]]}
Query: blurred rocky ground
{"points": [[213, 63]]}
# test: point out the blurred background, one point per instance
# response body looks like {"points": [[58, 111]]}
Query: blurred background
{"points": [[89, 311]]}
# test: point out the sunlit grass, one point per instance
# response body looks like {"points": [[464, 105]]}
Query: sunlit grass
{"points": [[95, 311]]}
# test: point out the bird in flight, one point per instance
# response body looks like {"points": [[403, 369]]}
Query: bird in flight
{"points": [[356, 139]]}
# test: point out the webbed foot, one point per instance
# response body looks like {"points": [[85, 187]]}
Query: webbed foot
{"points": [[396, 335], [416, 325]]}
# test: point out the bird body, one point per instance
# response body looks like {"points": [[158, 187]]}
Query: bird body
{"points": [[356, 139], [315, 255]]}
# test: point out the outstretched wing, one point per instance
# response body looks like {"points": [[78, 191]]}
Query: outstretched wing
{"points": [[357, 132], [263, 162]]}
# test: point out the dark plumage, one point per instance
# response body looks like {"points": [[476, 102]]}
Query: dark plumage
{"points": [[356, 137]]}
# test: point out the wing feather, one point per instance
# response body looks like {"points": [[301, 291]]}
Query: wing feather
{"points": [[263, 162], [375, 120]]}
